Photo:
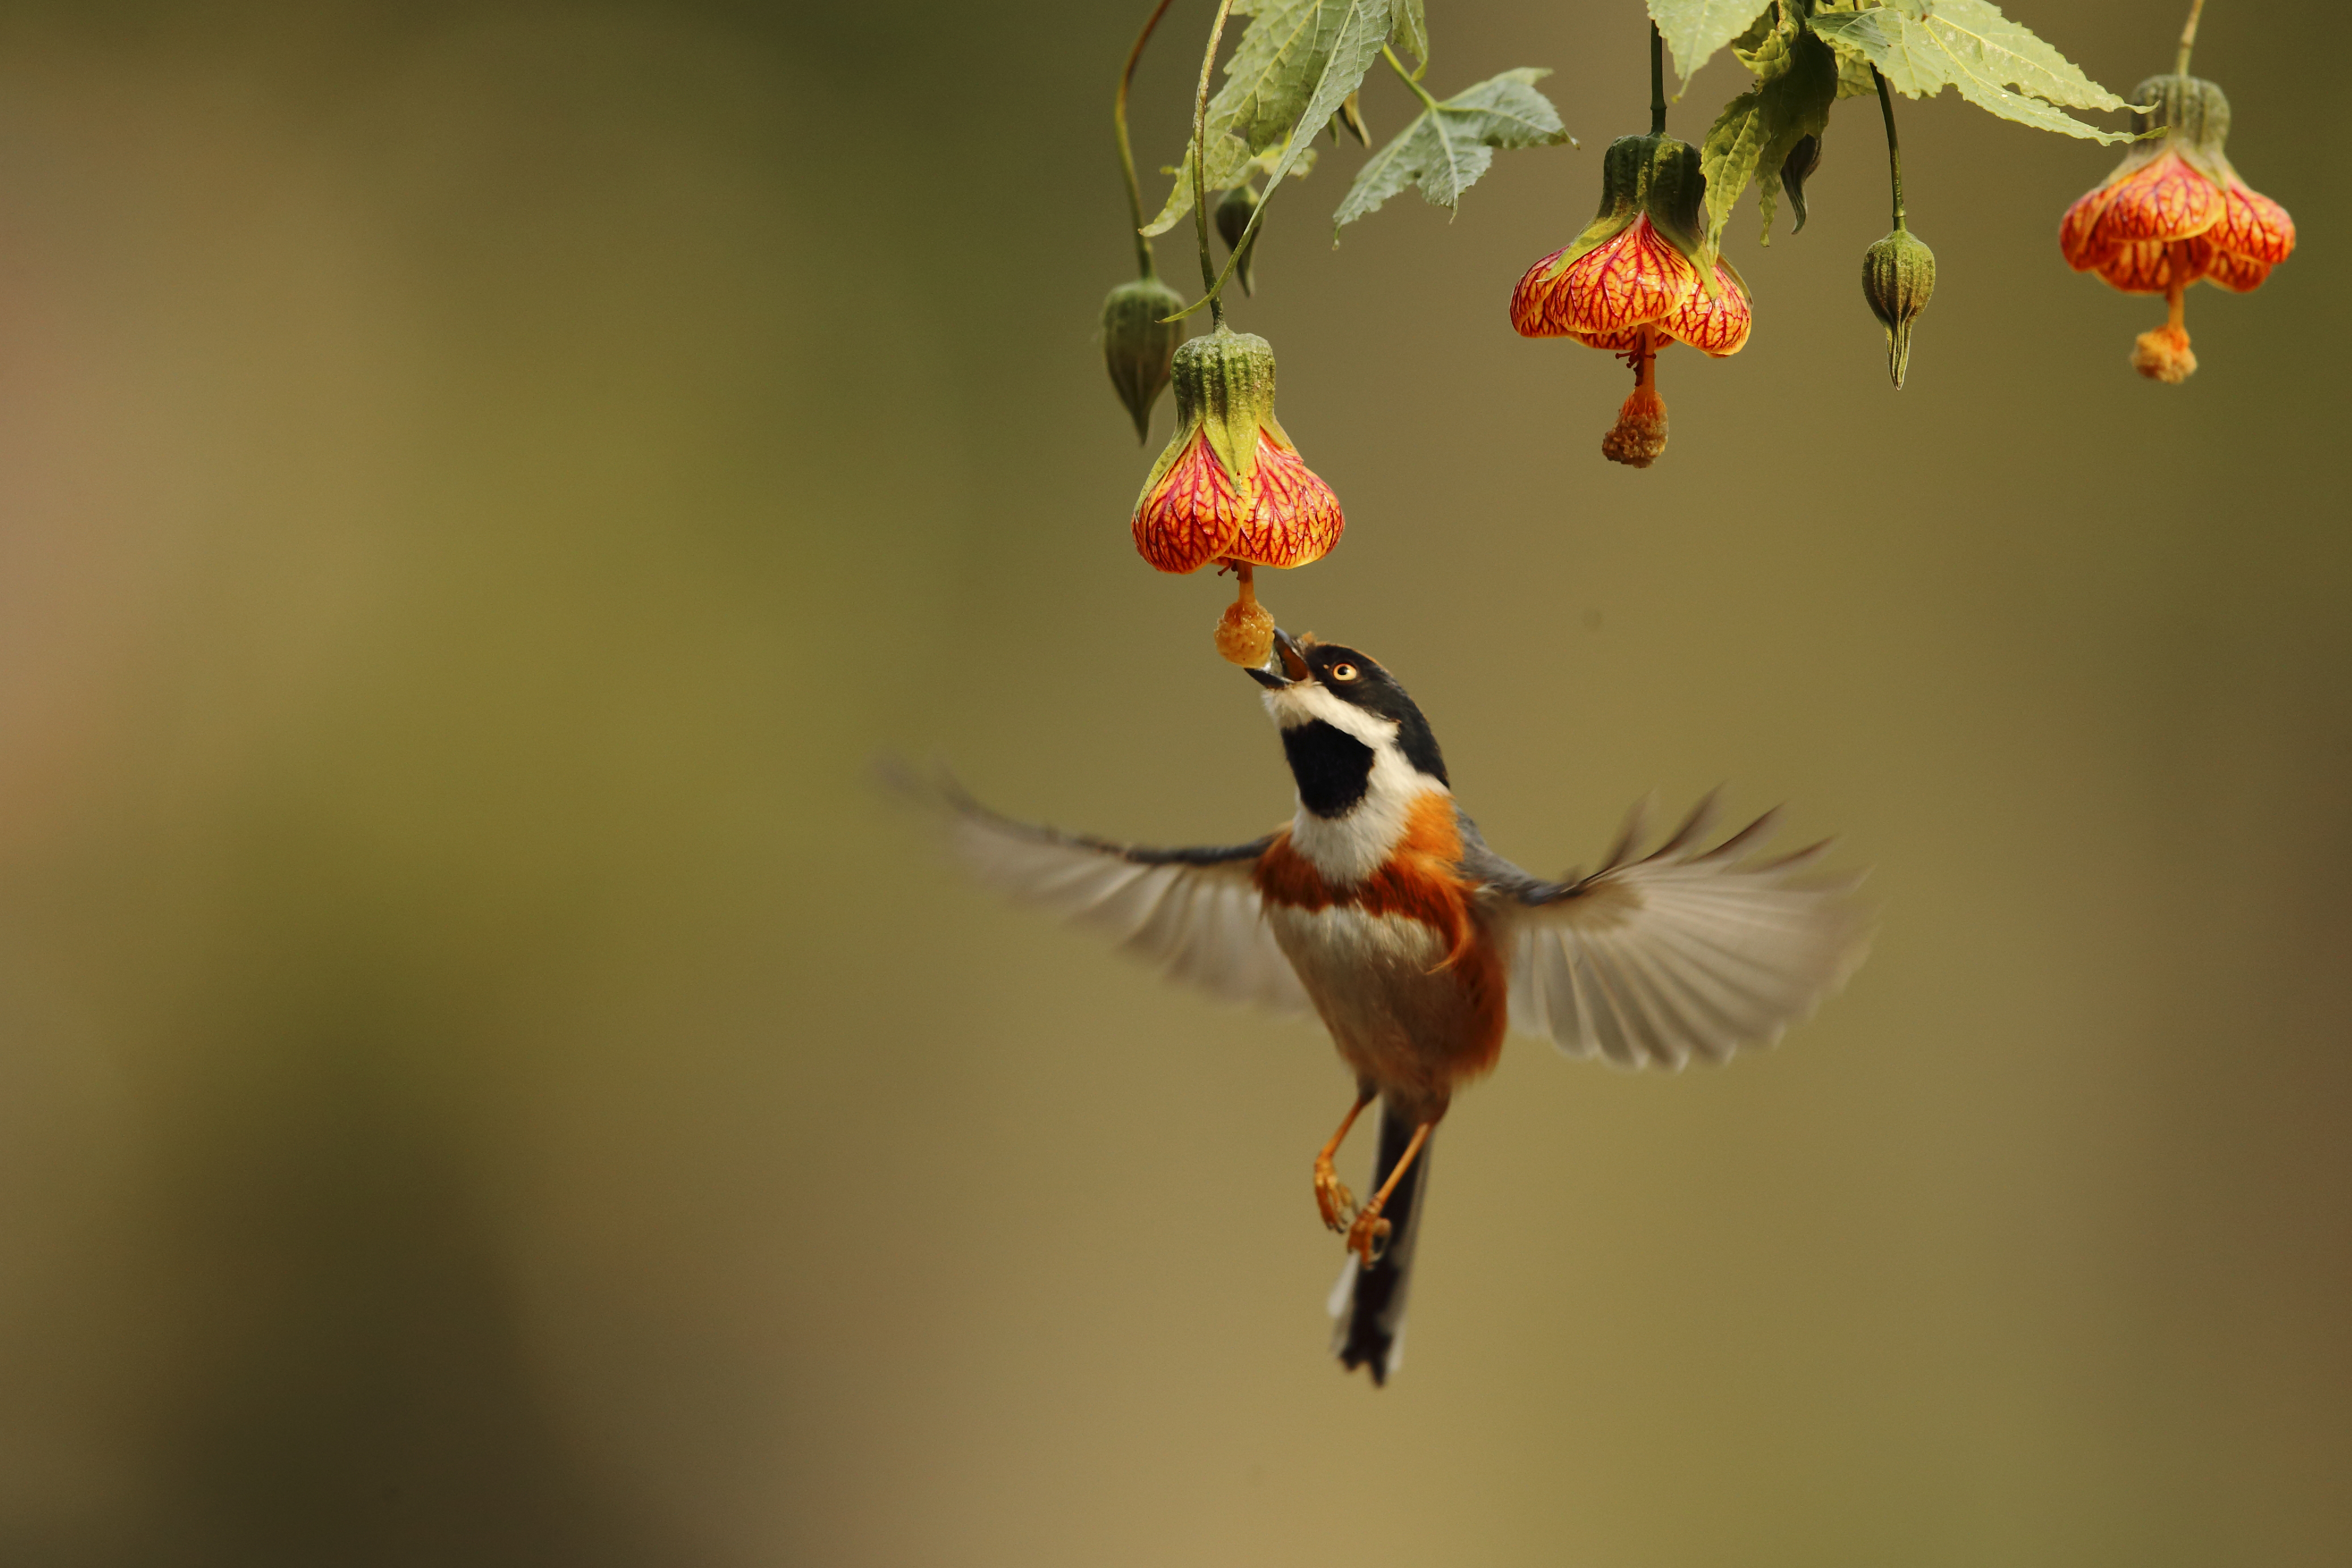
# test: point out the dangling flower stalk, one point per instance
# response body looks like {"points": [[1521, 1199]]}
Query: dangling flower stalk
{"points": [[1126, 150], [1139, 340], [1899, 272], [1201, 164], [1894, 145], [2187, 37], [1657, 81]]}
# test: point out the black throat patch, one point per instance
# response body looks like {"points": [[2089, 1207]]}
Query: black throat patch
{"points": [[1333, 768]]}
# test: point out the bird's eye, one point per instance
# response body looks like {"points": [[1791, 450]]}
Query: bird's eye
{"points": [[1343, 672]]}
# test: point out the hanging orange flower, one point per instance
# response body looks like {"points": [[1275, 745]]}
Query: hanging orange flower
{"points": [[1231, 487], [2175, 213], [1633, 283]]}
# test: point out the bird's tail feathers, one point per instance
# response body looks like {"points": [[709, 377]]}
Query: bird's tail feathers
{"points": [[1368, 1304]]}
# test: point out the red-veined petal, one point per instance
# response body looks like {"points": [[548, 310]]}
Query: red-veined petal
{"points": [[2147, 267], [2253, 227], [1532, 301], [2237, 274], [1296, 518], [1624, 341], [1634, 278], [2166, 198], [2078, 238], [1717, 325], [1190, 517]]}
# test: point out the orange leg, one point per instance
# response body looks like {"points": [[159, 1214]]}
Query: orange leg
{"points": [[1370, 1230], [1331, 1196]]}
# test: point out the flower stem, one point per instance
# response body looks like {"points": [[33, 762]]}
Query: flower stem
{"points": [[1894, 148], [1126, 150], [2187, 37], [1418, 91], [1200, 162], [1657, 81]]}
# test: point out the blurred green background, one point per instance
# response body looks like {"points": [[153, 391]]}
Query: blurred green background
{"points": [[484, 1079]]}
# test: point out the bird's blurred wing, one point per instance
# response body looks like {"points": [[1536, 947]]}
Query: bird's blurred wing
{"points": [[1194, 914], [1684, 952]]}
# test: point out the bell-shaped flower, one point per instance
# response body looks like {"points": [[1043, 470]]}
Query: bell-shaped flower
{"points": [[1638, 279], [1231, 487], [2175, 213]]}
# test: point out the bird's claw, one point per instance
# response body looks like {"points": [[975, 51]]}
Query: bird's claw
{"points": [[1331, 1195], [1368, 1238]]}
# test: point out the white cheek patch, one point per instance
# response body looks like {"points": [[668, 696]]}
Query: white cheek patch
{"points": [[1347, 849], [1305, 702]]}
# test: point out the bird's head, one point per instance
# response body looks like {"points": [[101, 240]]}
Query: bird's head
{"points": [[1344, 720]]}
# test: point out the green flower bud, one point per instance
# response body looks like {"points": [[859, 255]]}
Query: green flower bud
{"points": [[1233, 214], [1796, 169], [1138, 345], [1898, 276]]}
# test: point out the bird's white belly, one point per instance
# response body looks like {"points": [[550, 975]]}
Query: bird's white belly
{"points": [[1396, 1015]]}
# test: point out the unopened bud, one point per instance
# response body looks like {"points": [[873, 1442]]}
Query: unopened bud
{"points": [[1233, 214], [1796, 169], [1139, 343], [1898, 276]]}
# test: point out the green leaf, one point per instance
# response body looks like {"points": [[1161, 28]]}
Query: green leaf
{"points": [[1968, 45], [1796, 83], [1361, 31], [1854, 80], [1445, 149], [2004, 52], [1412, 31], [1275, 83], [1902, 54], [1695, 29]]}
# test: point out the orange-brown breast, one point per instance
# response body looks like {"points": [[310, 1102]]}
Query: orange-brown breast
{"points": [[1421, 881]]}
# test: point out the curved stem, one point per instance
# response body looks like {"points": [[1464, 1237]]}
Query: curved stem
{"points": [[1657, 81], [1894, 148], [1418, 91], [2187, 37], [1208, 278], [1126, 150]]}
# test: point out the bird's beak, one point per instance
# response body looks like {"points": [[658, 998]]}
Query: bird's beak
{"points": [[1286, 655]]}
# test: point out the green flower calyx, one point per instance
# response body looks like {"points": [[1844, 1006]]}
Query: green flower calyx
{"points": [[1224, 386], [1651, 176]]}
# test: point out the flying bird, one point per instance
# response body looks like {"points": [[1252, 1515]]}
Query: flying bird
{"points": [[1381, 908]]}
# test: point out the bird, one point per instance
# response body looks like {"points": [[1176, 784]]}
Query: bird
{"points": [[1380, 908]]}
